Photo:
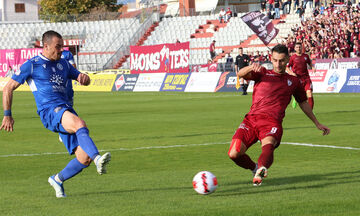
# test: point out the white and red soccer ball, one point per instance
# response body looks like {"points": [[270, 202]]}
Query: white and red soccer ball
{"points": [[205, 182]]}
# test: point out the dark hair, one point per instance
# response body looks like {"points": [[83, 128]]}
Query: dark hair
{"points": [[298, 43], [47, 36], [280, 49]]}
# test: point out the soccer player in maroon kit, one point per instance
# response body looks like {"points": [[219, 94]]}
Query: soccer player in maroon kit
{"points": [[298, 64], [272, 94]]}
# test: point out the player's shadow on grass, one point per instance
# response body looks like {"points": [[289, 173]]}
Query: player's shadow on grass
{"points": [[161, 137], [291, 183], [135, 190]]}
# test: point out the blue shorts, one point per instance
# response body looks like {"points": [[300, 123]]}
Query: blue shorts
{"points": [[51, 119]]}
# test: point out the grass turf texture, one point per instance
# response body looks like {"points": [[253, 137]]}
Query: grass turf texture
{"points": [[157, 181]]}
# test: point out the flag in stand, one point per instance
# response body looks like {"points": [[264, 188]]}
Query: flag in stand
{"points": [[261, 25]]}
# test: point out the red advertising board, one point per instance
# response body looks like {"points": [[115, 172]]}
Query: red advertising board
{"points": [[169, 58], [14, 58], [317, 75]]}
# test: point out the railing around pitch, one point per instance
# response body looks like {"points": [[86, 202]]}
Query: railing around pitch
{"points": [[125, 48]]}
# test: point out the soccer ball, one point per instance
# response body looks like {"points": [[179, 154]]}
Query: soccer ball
{"points": [[205, 182]]}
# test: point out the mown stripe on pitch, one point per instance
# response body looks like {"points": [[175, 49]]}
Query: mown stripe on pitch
{"points": [[178, 146]]}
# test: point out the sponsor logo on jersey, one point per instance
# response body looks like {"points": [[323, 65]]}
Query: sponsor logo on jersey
{"points": [[243, 126]]}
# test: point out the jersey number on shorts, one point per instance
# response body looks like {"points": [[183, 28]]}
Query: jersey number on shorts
{"points": [[273, 130]]}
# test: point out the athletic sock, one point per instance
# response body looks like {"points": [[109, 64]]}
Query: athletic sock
{"points": [[242, 87], [311, 102], [267, 156], [86, 142], [245, 162], [246, 87], [96, 159], [72, 168]]}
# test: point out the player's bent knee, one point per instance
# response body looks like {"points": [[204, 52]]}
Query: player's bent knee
{"points": [[84, 159], [79, 123], [237, 148]]}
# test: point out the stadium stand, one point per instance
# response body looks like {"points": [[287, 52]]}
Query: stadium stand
{"points": [[107, 42], [102, 38]]}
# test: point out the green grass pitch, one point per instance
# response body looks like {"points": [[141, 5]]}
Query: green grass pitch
{"points": [[159, 141]]}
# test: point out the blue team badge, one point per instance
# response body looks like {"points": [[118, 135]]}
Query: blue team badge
{"points": [[59, 66]]}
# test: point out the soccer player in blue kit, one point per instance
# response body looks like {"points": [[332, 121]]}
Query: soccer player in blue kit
{"points": [[47, 75]]}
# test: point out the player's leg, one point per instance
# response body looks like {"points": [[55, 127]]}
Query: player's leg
{"points": [[246, 85], [266, 157], [265, 160], [237, 154], [270, 133], [73, 124], [73, 168], [243, 86], [243, 138], [309, 89], [310, 98]]}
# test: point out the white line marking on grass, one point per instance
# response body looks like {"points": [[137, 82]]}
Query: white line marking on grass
{"points": [[321, 146], [176, 146]]}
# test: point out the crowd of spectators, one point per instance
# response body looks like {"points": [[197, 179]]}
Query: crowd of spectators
{"points": [[331, 32]]}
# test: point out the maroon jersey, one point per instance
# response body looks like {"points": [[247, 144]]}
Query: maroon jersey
{"points": [[272, 93], [299, 64]]}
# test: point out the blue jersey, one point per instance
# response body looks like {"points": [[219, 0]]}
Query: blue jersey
{"points": [[66, 54], [70, 58], [47, 80]]}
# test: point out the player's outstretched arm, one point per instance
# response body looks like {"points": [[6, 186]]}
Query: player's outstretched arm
{"points": [[306, 108], [8, 122], [83, 79], [245, 71]]}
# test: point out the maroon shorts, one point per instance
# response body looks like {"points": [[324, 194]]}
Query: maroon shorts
{"points": [[257, 127], [307, 84]]}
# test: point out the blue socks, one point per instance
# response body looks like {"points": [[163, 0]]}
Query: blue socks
{"points": [[86, 142], [72, 168]]}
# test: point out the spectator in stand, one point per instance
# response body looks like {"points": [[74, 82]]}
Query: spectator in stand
{"points": [[178, 41], [222, 15], [269, 55], [228, 15], [257, 57], [229, 63], [242, 60], [277, 8], [301, 11], [317, 3], [296, 4], [310, 3], [269, 13], [263, 5], [269, 5], [212, 50], [286, 6]]}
